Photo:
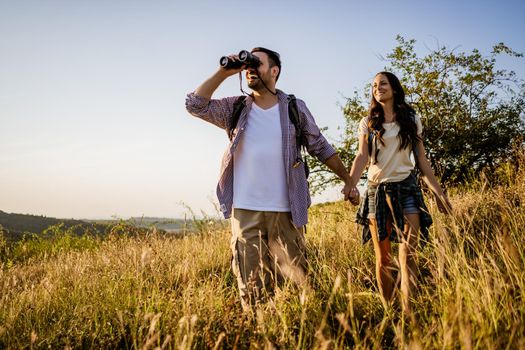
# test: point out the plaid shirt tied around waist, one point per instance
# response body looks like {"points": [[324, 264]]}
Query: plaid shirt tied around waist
{"points": [[392, 191], [219, 113]]}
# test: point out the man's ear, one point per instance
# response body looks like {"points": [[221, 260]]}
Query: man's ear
{"points": [[275, 71]]}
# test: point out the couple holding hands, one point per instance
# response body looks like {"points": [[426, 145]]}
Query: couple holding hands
{"points": [[263, 184]]}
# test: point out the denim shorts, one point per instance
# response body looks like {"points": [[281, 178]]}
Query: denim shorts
{"points": [[407, 198]]}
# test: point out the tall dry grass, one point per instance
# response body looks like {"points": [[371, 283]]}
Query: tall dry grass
{"points": [[153, 291]]}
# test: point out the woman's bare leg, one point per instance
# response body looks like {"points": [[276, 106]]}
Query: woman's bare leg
{"points": [[383, 253]]}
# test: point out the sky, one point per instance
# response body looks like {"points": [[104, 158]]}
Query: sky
{"points": [[92, 93]]}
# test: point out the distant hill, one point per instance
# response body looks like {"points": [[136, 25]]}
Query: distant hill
{"points": [[18, 224], [167, 224]]}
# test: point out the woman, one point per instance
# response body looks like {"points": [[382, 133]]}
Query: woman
{"points": [[393, 208]]}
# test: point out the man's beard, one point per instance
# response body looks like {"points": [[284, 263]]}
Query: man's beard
{"points": [[255, 85]]}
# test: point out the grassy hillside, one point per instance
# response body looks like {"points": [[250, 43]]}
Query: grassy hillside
{"points": [[15, 226], [136, 290]]}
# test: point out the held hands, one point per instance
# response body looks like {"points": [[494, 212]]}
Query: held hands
{"points": [[351, 193], [354, 196]]}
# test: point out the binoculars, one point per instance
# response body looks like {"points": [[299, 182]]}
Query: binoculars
{"points": [[245, 58]]}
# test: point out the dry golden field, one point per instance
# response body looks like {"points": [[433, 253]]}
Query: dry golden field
{"points": [[147, 291]]}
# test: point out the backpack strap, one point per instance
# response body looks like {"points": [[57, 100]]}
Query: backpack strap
{"points": [[238, 106], [293, 114], [373, 135], [415, 151], [300, 138]]}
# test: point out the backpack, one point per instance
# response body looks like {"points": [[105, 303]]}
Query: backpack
{"points": [[293, 114]]}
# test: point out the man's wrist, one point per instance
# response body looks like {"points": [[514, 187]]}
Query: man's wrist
{"points": [[348, 181], [222, 74]]}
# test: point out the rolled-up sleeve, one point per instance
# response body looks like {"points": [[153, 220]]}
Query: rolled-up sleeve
{"points": [[213, 111], [317, 145]]}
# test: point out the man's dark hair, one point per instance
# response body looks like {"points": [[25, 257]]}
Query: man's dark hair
{"points": [[273, 58]]}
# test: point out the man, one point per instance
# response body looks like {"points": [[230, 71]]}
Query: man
{"points": [[262, 187]]}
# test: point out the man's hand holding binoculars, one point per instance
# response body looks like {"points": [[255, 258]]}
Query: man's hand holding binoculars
{"points": [[233, 65]]}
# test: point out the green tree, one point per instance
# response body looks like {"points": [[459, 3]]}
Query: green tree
{"points": [[472, 112]]}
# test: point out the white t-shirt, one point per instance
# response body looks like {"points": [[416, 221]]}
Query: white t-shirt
{"points": [[259, 178], [393, 164]]}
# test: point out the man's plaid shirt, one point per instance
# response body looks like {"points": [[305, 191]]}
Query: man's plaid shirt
{"points": [[219, 113]]}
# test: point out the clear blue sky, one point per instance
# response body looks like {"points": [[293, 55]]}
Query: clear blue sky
{"points": [[92, 117]]}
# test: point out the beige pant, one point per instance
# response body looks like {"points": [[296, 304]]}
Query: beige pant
{"points": [[266, 246]]}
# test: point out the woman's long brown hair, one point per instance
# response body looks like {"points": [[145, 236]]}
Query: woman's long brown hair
{"points": [[403, 111]]}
